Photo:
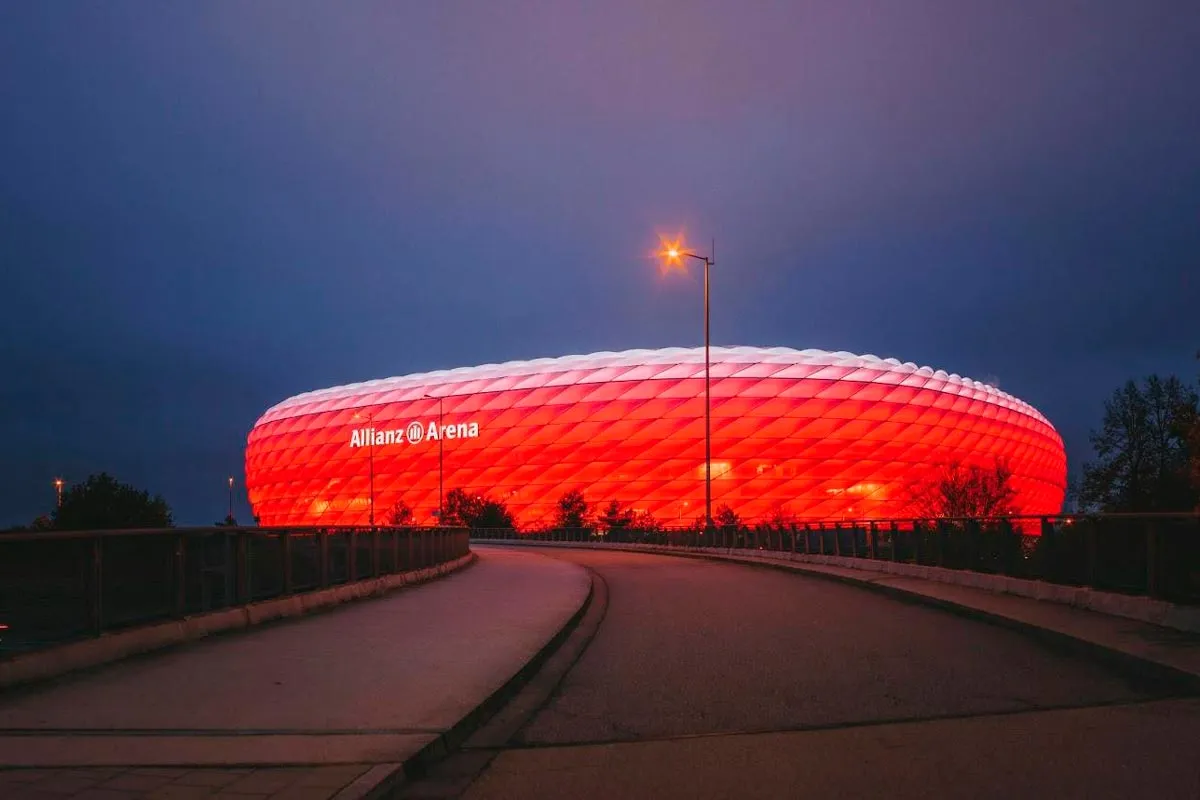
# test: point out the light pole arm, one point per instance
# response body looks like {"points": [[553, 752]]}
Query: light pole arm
{"points": [[707, 261]]}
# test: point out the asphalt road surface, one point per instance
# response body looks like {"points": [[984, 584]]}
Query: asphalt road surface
{"points": [[718, 680]]}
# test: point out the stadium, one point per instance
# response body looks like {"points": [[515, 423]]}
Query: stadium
{"points": [[796, 434]]}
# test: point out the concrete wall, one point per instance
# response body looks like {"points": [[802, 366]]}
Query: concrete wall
{"points": [[61, 659]]}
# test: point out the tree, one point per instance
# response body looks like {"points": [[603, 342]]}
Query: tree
{"points": [[615, 517], [727, 519], [958, 490], [228, 522], [572, 511], [644, 522], [1144, 449], [400, 515], [476, 511], [103, 502]]}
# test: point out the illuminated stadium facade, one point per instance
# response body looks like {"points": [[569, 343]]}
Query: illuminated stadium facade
{"points": [[803, 435]]}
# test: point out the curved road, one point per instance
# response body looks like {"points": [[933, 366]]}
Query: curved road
{"points": [[707, 679]]}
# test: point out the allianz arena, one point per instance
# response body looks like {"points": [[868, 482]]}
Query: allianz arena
{"points": [[799, 434]]}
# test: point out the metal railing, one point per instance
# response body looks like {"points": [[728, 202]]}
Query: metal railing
{"points": [[1157, 555], [56, 586]]}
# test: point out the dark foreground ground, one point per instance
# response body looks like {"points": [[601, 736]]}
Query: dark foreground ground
{"points": [[717, 680]]}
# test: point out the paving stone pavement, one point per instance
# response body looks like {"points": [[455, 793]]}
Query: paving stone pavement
{"points": [[320, 707], [160, 783]]}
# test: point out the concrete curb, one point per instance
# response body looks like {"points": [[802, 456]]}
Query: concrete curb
{"points": [[418, 764], [1135, 665], [60, 660]]}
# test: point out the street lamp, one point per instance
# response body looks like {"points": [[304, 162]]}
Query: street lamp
{"points": [[441, 456], [370, 418], [673, 253], [58, 487], [230, 517]]}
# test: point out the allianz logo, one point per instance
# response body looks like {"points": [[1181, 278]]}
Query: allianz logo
{"points": [[413, 433]]}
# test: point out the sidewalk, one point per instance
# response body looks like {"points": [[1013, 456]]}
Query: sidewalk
{"points": [[321, 706]]}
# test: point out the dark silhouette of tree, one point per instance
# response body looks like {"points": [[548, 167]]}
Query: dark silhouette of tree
{"points": [[778, 516], [228, 522], [727, 519], [1143, 444], [460, 507], [103, 502], [572, 511], [644, 522], [493, 514], [958, 490], [476, 511], [400, 515], [616, 517]]}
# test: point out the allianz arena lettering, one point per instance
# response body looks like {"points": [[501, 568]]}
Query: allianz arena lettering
{"points": [[796, 434], [413, 433]]}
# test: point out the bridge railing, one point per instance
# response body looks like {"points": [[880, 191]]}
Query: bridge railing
{"points": [[56, 586], [1156, 555]]}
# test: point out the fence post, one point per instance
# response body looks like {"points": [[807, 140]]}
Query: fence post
{"points": [[854, 540], [895, 528], [1093, 548], [1008, 553], [244, 579], [873, 542], [351, 556], [916, 534], [323, 557], [1152, 578], [942, 537], [180, 576], [285, 548], [97, 585], [837, 538]]}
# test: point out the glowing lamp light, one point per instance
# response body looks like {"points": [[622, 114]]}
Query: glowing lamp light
{"points": [[671, 253]]}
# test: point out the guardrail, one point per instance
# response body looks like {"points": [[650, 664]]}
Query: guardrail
{"points": [[1156, 555], [56, 586]]}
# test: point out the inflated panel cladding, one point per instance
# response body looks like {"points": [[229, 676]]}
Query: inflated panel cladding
{"points": [[803, 434]]}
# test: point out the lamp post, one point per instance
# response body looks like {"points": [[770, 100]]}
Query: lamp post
{"points": [[441, 457], [58, 487], [370, 418], [674, 253], [230, 517]]}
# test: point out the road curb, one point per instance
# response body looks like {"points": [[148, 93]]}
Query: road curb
{"points": [[417, 765], [1139, 667], [59, 661]]}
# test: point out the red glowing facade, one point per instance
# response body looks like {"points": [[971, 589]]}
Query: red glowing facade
{"points": [[807, 435]]}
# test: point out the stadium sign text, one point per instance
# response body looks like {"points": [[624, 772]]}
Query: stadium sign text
{"points": [[413, 433]]}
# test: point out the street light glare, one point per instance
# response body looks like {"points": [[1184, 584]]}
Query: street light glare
{"points": [[671, 252]]}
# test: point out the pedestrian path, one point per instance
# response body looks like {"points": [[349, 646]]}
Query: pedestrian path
{"points": [[319, 706]]}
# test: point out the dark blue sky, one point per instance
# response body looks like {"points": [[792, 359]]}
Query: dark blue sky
{"points": [[207, 207]]}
